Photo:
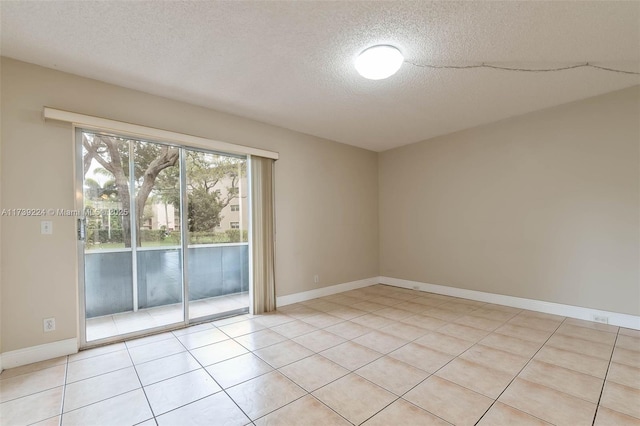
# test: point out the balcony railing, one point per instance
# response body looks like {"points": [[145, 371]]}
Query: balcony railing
{"points": [[213, 270]]}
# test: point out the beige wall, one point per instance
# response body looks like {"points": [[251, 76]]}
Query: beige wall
{"points": [[326, 195], [0, 220], [542, 206]]}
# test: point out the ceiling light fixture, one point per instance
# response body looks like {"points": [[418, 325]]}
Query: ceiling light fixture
{"points": [[379, 62]]}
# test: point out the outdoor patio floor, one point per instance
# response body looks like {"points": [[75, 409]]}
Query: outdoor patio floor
{"points": [[129, 322]]}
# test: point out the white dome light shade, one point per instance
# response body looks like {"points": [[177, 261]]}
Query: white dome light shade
{"points": [[379, 62]]}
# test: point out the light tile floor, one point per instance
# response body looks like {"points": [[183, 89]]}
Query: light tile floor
{"points": [[374, 356], [144, 319]]}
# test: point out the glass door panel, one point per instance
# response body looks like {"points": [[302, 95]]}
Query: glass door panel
{"points": [[108, 265], [217, 225], [132, 250], [158, 232]]}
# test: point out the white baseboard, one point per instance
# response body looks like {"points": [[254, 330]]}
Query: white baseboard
{"points": [[47, 351], [38, 353], [325, 291], [615, 318]]}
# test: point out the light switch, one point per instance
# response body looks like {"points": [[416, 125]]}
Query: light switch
{"points": [[46, 227]]}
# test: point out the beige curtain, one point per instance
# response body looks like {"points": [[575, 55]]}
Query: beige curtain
{"points": [[262, 234]]}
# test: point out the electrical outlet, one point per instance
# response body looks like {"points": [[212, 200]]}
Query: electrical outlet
{"points": [[316, 279], [601, 318], [49, 324]]}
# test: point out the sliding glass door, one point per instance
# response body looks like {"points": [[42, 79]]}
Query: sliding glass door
{"points": [[148, 209], [217, 230]]}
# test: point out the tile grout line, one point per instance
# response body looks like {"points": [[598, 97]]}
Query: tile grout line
{"points": [[44, 390], [382, 409], [604, 381], [429, 374], [518, 374], [398, 397], [105, 399], [413, 340], [310, 393], [417, 384], [432, 374], [417, 406], [213, 378], [64, 389], [318, 353], [307, 393], [153, 414], [325, 405]]}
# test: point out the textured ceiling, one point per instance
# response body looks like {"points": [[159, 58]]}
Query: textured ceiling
{"points": [[291, 63]]}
